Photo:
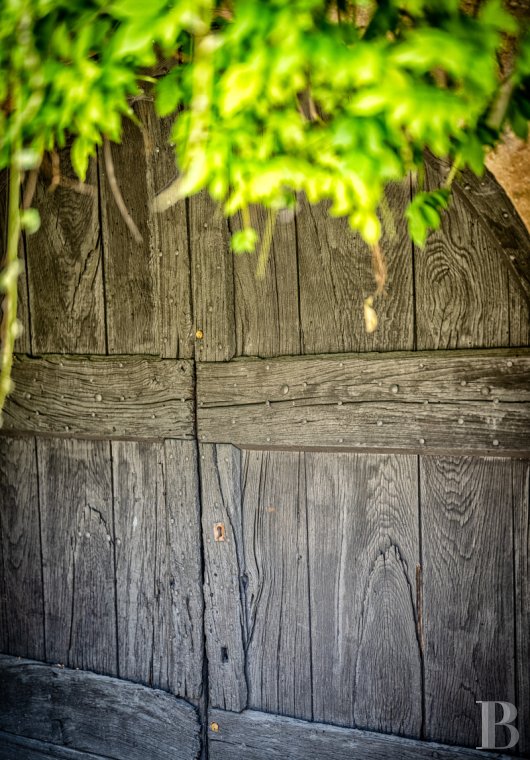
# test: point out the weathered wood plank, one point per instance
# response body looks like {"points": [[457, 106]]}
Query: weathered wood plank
{"points": [[267, 318], [213, 280], [473, 401], [65, 268], [75, 494], [363, 553], [224, 576], [521, 502], [169, 232], [22, 621], [257, 736], [466, 512], [336, 276], [95, 714], [14, 747], [461, 284], [158, 575], [277, 592], [91, 396], [23, 342]]}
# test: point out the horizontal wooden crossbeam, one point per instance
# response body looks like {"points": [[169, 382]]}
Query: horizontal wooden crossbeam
{"points": [[101, 396], [470, 401]]}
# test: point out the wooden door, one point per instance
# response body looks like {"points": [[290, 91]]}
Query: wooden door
{"points": [[225, 507]]}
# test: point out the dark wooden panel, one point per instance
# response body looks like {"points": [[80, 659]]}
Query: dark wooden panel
{"points": [[213, 280], [22, 622], [277, 593], [466, 510], [461, 282], [258, 736], [224, 575], [363, 553], [75, 493], [65, 269], [267, 318], [169, 232], [521, 501], [95, 714], [23, 342], [471, 401], [90, 396], [336, 276], [159, 600], [17, 748]]}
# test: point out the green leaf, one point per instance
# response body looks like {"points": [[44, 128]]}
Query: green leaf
{"points": [[244, 241], [30, 220]]}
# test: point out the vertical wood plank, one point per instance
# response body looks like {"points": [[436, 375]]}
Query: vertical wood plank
{"points": [[21, 585], [224, 579], [519, 315], [131, 268], [23, 342], [336, 276], [77, 535], [158, 572], [521, 503], [461, 282], [65, 268], [466, 508], [213, 280], [267, 318], [275, 537], [363, 553], [178, 639]]}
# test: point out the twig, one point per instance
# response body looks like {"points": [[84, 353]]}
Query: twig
{"points": [[31, 186], [116, 192], [379, 267], [499, 108]]}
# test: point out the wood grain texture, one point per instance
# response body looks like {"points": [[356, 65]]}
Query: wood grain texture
{"points": [[224, 576], [213, 280], [22, 621], [460, 282], [363, 552], [159, 600], [471, 401], [255, 735], [336, 276], [266, 310], [14, 747], [75, 494], [169, 233], [466, 513], [91, 396], [23, 342], [65, 269], [521, 503], [277, 592], [95, 714]]}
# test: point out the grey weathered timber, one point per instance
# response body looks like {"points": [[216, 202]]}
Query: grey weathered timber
{"points": [[277, 587], [94, 396], [169, 233], [455, 400], [75, 494], [467, 544], [336, 275], [267, 318], [65, 268], [23, 342], [255, 735], [14, 747], [158, 576], [95, 714], [213, 280], [461, 284], [521, 503], [224, 575], [363, 553], [21, 606]]}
